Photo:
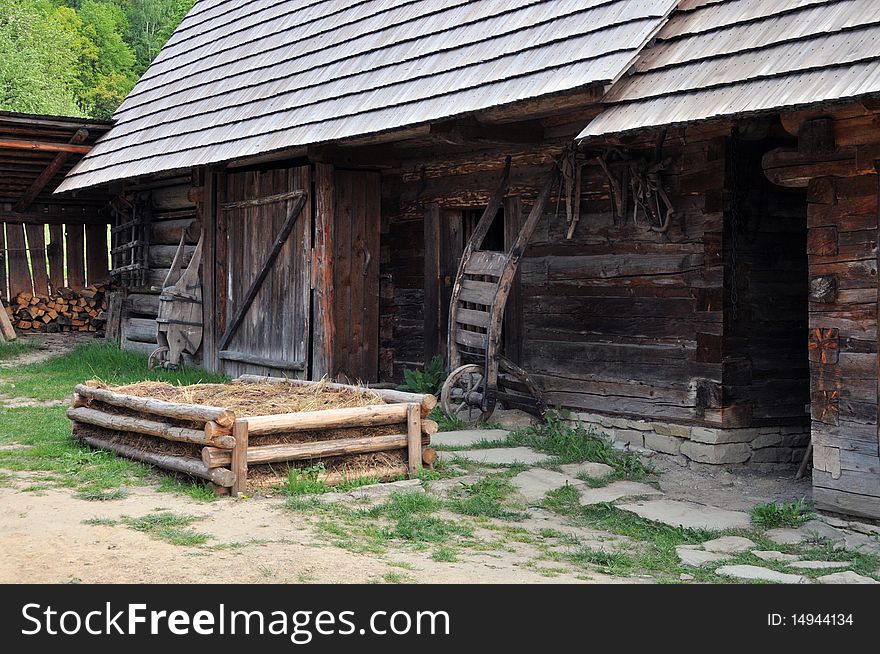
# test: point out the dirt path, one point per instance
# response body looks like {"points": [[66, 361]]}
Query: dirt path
{"points": [[44, 540], [50, 345]]}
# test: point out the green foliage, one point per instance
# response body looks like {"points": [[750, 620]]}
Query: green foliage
{"points": [[79, 57], [304, 481], [575, 444], [770, 515], [429, 381], [10, 349], [167, 526], [486, 498]]}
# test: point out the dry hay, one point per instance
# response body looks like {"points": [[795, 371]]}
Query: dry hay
{"points": [[255, 399]]}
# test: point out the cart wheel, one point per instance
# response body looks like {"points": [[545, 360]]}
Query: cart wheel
{"points": [[462, 395], [158, 359]]}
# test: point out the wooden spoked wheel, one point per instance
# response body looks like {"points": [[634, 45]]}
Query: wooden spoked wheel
{"points": [[159, 359], [464, 395]]}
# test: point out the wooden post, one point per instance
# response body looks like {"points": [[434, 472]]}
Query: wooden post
{"points": [[414, 438], [323, 332], [6, 328], [239, 457]]}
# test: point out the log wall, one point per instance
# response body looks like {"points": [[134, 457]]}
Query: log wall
{"points": [[173, 213]]}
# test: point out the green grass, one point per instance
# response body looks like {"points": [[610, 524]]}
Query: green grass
{"points": [[575, 444], [789, 514], [486, 498], [444, 421], [167, 526], [47, 429], [102, 522], [101, 495], [304, 481], [54, 379], [197, 490], [444, 555], [12, 349]]}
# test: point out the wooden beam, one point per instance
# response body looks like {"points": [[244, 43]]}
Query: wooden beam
{"points": [[324, 328], [178, 411], [43, 146], [239, 457], [49, 173], [50, 218], [363, 416]]}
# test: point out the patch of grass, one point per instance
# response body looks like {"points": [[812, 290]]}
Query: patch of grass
{"points": [[167, 526], [444, 555], [426, 529], [401, 505], [445, 421], [54, 379], [101, 495], [485, 498], [12, 349], [789, 514], [102, 522], [397, 578], [575, 444], [305, 481], [615, 563], [197, 490], [351, 484], [265, 572]]}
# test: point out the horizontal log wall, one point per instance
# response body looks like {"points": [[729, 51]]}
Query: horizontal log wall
{"points": [[610, 319], [174, 214]]}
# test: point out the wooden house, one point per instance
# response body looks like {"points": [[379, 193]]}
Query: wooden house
{"points": [[704, 277]]}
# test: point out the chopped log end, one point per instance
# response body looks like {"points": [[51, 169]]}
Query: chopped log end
{"points": [[429, 456], [430, 427]]}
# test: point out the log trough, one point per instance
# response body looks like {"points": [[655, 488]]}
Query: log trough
{"points": [[215, 444]]}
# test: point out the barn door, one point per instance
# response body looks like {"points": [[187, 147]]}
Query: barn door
{"points": [[273, 335], [356, 275]]}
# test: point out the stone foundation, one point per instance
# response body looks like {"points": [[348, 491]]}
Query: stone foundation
{"points": [[782, 444]]}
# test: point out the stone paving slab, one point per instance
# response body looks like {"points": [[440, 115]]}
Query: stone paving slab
{"points": [[785, 536], [468, 437], [534, 484], [616, 491], [754, 572], [773, 555], [818, 565], [696, 558], [848, 577], [676, 513], [728, 545], [499, 456]]}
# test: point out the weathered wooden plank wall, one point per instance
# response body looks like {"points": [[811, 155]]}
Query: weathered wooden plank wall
{"points": [[37, 263], [843, 219]]}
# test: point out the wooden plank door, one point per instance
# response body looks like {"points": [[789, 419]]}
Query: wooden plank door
{"points": [[356, 275], [274, 337]]}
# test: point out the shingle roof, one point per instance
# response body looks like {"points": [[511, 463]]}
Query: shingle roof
{"points": [[241, 78], [716, 58]]}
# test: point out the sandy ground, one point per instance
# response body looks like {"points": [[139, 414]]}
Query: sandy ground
{"points": [[44, 540]]}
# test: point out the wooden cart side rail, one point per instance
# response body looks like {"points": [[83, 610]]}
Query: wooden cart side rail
{"points": [[190, 412], [148, 427], [426, 402], [474, 242], [220, 476], [214, 457]]}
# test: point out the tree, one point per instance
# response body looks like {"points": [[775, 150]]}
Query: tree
{"points": [[39, 55], [151, 23]]}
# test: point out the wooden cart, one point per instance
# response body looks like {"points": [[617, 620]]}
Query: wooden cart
{"points": [[480, 375], [179, 325]]}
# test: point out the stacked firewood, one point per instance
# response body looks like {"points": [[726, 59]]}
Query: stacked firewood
{"points": [[65, 310]]}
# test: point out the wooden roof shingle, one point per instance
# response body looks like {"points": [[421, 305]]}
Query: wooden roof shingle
{"points": [[717, 58], [244, 78]]}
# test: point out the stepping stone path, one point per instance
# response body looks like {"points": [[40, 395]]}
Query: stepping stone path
{"points": [[468, 437], [773, 555], [535, 483], [712, 551], [616, 491], [848, 577], [693, 556], [504, 456], [588, 468], [784, 536], [818, 565], [757, 573], [728, 545], [512, 418], [689, 515], [374, 492]]}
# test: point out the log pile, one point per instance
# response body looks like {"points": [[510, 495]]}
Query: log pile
{"points": [[214, 444], [65, 310]]}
